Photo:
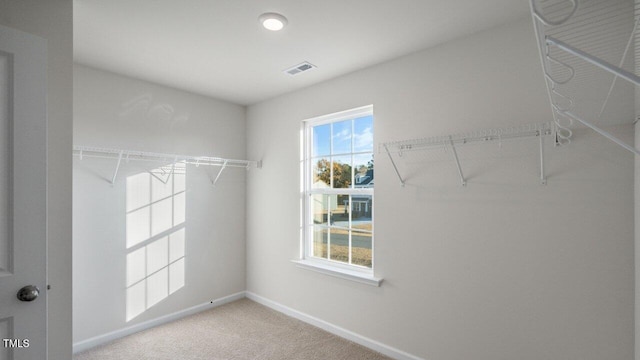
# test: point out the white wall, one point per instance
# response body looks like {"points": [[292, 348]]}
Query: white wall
{"points": [[503, 269], [120, 112], [52, 20]]}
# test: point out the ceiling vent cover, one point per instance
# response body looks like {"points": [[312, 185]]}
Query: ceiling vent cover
{"points": [[300, 68]]}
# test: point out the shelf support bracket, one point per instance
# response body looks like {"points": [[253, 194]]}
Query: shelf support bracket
{"points": [[224, 165], [601, 132], [455, 157], [115, 173], [593, 60], [386, 148], [543, 179]]}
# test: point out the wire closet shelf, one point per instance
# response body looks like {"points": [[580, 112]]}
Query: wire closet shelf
{"points": [[395, 149], [120, 155], [585, 44]]}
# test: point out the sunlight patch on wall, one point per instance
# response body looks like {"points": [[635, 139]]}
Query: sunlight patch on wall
{"points": [[156, 237]]}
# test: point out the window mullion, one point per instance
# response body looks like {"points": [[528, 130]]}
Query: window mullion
{"points": [[353, 170], [353, 153], [353, 185], [350, 227], [308, 180], [150, 208], [329, 214], [341, 191], [331, 155]]}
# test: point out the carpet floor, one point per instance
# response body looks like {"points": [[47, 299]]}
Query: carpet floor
{"points": [[240, 330]]}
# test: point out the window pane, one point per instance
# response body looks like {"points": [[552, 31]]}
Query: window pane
{"points": [[340, 211], [363, 167], [321, 173], [361, 212], [321, 140], [361, 248], [363, 134], [321, 206], [339, 245], [341, 137], [341, 172], [320, 241]]}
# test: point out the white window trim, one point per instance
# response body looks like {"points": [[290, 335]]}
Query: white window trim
{"points": [[320, 266], [352, 272]]}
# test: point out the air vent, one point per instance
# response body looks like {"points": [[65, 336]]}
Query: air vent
{"points": [[300, 68]]}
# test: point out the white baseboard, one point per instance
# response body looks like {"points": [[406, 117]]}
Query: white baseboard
{"points": [[336, 330], [102, 339]]}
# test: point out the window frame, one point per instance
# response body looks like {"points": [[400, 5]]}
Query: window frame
{"points": [[341, 269]]}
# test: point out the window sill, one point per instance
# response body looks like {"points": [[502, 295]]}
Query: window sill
{"points": [[337, 272]]}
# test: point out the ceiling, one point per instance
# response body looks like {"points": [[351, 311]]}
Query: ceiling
{"points": [[219, 49]]}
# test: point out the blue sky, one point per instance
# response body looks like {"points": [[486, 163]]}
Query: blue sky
{"points": [[362, 137]]}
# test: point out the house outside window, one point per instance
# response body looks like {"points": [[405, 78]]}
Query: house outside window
{"points": [[338, 190]]}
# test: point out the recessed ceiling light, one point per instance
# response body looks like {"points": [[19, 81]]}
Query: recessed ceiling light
{"points": [[273, 21]]}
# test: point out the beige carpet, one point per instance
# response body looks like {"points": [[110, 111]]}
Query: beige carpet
{"points": [[239, 330]]}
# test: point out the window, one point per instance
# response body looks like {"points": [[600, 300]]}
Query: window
{"points": [[338, 178]]}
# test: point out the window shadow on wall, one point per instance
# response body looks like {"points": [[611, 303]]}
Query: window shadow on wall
{"points": [[155, 237]]}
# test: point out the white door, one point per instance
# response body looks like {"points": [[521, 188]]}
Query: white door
{"points": [[23, 179]]}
